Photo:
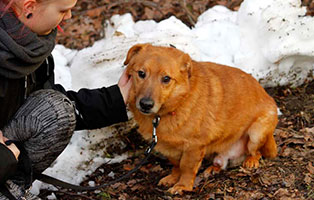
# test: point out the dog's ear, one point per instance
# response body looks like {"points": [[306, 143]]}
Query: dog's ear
{"points": [[133, 51], [186, 64]]}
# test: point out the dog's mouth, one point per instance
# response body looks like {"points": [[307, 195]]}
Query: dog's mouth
{"points": [[145, 112]]}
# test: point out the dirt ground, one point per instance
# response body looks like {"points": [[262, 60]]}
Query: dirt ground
{"points": [[289, 176]]}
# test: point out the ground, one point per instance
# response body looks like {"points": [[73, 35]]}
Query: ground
{"points": [[289, 176]]}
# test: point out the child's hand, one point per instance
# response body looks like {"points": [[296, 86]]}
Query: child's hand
{"points": [[12, 146], [125, 83]]}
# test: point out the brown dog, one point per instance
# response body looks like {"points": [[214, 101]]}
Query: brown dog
{"points": [[205, 108]]}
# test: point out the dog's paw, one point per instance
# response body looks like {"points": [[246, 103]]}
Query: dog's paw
{"points": [[179, 188], [211, 170], [169, 180], [251, 162]]}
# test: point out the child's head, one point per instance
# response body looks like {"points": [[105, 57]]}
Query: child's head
{"points": [[42, 16]]}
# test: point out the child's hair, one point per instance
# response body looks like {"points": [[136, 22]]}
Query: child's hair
{"points": [[5, 5], [7, 8]]}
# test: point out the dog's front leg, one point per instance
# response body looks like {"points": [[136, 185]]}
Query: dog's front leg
{"points": [[190, 162], [172, 178]]}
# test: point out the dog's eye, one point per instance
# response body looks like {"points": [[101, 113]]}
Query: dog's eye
{"points": [[141, 74], [166, 79]]}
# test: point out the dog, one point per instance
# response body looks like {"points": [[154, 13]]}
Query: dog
{"points": [[205, 109]]}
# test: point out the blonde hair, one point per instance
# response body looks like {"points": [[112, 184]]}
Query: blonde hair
{"points": [[7, 3], [10, 6]]}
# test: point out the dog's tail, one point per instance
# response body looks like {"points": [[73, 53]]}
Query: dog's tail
{"points": [[269, 150]]}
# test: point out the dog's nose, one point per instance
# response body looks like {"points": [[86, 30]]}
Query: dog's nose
{"points": [[146, 103]]}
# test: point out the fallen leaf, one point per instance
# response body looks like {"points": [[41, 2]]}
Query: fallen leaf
{"points": [[132, 182], [228, 198], [197, 181], [308, 178], [287, 152], [244, 170], [156, 168], [289, 181], [128, 167], [138, 187], [310, 130], [96, 12], [144, 169], [282, 192], [310, 168]]}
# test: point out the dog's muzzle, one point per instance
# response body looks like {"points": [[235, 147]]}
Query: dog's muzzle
{"points": [[146, 104]]}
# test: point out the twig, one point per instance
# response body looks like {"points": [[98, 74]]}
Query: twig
{"points": [[191, 17], [150, 4], [306, 2], [145, 3], [232, 4], [72, 194]]}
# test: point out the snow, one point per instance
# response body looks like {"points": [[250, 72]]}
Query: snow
{"points": [[271, 39]]}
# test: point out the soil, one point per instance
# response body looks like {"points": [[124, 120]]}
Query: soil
{"points": [[289, 176]]}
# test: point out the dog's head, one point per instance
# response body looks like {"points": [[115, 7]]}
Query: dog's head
{"points": [[161, 78]]}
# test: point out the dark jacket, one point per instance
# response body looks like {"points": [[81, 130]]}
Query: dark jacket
{"points": [[95, 108], [8, 167]]}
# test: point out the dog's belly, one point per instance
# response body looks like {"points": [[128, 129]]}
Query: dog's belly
{"points": [[236, 153]]}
